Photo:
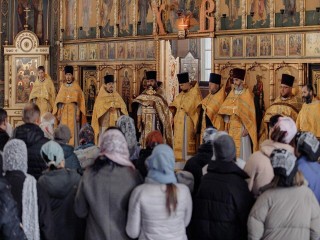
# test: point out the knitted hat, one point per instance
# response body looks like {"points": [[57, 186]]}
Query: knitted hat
{"points": [[239, 73], [154, 138], [183, 77], [224, 148], [108, 79], [209, 134], [86, 134], [308, 145], [62, 133], [215, 78], [286, 124], [52, 153], [284, 166], [151, 75], [160, 165], [15, 156], [287, 79], [68, 69]]}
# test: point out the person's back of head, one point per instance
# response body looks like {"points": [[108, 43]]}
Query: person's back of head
{"points": [[308, 145], [31, 113], [47, 125], [3, 116], [62, 134], [153, 139], [225, 148], [284, 130], [52, 154]]}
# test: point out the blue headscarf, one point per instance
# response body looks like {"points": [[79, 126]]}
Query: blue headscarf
{"points": [[161, 164]]}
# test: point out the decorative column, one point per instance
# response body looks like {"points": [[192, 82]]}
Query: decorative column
{"points": [[6, 75]]}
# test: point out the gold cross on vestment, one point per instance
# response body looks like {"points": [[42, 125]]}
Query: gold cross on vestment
{"points": [[27, 10]]}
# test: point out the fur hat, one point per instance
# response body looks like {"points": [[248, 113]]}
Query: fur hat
{"points": [[209, 134], [62, 133]]}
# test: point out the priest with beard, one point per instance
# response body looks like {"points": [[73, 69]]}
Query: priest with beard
{"points": [[308, 117], [287, 104], [211, 104], [108, 107], [239, 116]]}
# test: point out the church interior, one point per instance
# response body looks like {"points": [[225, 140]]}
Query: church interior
{"points": [[127, 38]]}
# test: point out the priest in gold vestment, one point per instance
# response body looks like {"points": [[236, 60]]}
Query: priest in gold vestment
{"points": [[211, 104], [309, 115], [239, 115], [43, 92], [108, 107], [153, 111], [286, 105], [69, 107], [186, 110]]}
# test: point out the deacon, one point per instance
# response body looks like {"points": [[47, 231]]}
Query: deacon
{"points": [[286, 105], [70, 105], [43, 92], [309, 115], [239, 116], [211, 104], [186, 111], [108, 107], [153, 111]]}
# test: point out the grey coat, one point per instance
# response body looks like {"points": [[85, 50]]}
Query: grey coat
{"points": [[103, 199]]}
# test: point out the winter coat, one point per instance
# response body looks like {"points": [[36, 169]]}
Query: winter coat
{"points": [[285, 213], [148, 218], [222, 204], [140, 162], [61, 186], [34, 138], [10, 228], [259, 167], [16, 180], [103, 198], [311, 172], [4, 138], [197, 162], [71, 159]]}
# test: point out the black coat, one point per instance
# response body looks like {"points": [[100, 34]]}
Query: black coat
{"points": [[34, 138], [140, 162], [61, 186], [46, 224], [222, 204], [71, 159], [195, 164], [10, 228], [4, 138]]}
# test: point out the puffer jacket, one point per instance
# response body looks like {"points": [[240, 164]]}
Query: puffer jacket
{"points": [[10, 228], [222, 204], [34, 138], [148, 217], [285, 213], [259, 167]]}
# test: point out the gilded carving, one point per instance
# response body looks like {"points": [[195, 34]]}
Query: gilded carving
{"points": [[206, 20]]}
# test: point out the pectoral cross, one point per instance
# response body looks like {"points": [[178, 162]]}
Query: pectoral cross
{"points": [[27, 10]]}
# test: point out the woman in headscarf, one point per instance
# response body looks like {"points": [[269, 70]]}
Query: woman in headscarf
{"points": [[153, 139], [61, 185], [308, 153], [104, 190], [32, 201], [87, 151], [287, 209], [258, 166], [160, 208], [127, 127], [47, 125]]}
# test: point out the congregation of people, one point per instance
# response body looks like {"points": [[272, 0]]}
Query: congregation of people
{"points": [[198, 168]]}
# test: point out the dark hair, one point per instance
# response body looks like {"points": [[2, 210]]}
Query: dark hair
{"points": [[171, 198], [41, 68], [309, 87], [31, 113], [102, 161], [273, 120], [3, 115], [277, 135]]}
